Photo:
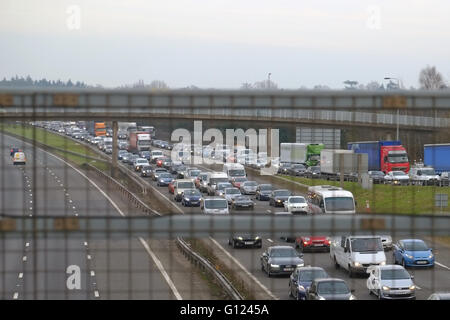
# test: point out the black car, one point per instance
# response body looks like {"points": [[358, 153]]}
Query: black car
{"points": [[296, 169], [377, 176], [263, 192], [283, 168], [312, 172], [278, 197], [329, 289], [242, 202], [245, 240], [146, 171]]}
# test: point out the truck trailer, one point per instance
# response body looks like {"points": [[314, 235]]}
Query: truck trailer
{"points": [[139, 141], [293, 152], [330, 162], [384, 156], [437, 156]]}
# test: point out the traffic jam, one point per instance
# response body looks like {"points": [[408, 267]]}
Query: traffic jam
{"points": [[308, 266]]}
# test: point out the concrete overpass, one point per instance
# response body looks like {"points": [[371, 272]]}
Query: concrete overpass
{"points": [[417, 110]]}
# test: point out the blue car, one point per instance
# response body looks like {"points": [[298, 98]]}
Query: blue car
{"points": [[301, 279], [164, 179], [191, 198], [413, 253]]}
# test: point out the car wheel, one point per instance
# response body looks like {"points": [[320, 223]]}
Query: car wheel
{"points": [[336, 265], [379, 294], [297, 296], [234, 244], [268, 272], [403, 263], [262, 267], [351, 274], [290, 291]]}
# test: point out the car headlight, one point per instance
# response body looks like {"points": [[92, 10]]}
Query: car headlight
{"points": [[321, 298], [382, 263], [307, 239], [257, 238], [186, 199], [179, 192], [430, 256], [278, 200], [301, 288], [385, 288], [240, 238], [352, 297], [274, 265], [357, 264], [413, 287], [409, 256], [300, 265]]}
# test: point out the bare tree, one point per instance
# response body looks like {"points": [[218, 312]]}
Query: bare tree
{"points": [[374, 86], [265, 84], [246, 86], [431, 79], [321, 87], [158, 84]]}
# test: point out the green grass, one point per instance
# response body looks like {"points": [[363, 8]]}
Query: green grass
{"points": [[387, 198], [54, 140]]}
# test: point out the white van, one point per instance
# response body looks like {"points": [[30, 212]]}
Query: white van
{"points": [[19, 158], [234, 170], [215, 205], [212, 179], [330, 200]]}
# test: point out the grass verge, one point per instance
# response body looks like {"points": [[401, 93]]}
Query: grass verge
{"points": [[388, 198]]}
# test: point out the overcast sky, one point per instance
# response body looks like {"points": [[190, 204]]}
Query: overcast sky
{"points": [[223, 43]]}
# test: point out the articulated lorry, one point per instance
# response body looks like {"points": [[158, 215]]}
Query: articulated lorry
{"points": [[383, 155], [139, 141], [95, 128], [293, 152], [313, 153], [437, 156]]}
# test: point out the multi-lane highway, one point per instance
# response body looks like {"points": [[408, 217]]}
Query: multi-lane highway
{"points": [[46, 268]]}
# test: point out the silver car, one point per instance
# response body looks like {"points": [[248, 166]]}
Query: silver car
{"points": [[230, 193], [281, 260], [249, 187], [390, 282]]}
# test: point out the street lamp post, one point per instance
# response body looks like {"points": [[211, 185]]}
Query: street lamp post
{"points": [[398, 110]]}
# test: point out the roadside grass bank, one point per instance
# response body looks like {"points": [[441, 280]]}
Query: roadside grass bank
{"points": [[388, 198]]}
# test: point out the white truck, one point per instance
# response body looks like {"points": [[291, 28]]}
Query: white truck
{"points": [[293, 152], [330, 162], [357, 253], [234, 170]]}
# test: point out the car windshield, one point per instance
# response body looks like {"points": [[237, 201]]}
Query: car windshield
{"points": [[332, 287], [283, 253], [216, 204], [366, 244], [194, 173], [297, 200], [165, 175], [250, 184], [428, 172], [142, 161], [265, 187], [232, 191], [298, 166], [339, 204], [185, 185], [157, 153], [415, 246], [236, 172], [203, 176], [394, 274], [146, 168], [242, 198], [191, 193], [310, 275], [160, 170], [217, 180], [282, 193], [398, 173], [377, 173], [240, 179], [222, 185]]}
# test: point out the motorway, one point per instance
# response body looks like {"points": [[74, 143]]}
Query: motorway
{"points": [[427, 280], [43, 268]]}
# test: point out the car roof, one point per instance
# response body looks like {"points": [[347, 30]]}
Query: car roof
{"points": [[329, 280], [215, 198], [280, 247], [281, 190], [300, 269], [411, 240], [391, 266]]}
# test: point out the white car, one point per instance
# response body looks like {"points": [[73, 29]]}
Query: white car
{"points": [[423, 176], [296, 204], [139, 163], [215, 205], [397, 178], [390, 282]]}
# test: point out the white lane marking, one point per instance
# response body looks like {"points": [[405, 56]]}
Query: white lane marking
{"points": [[76, 214], [244, 269], [161, 269], [85, 243], [418, 287], [24, 258], [16, 295], [442, 265], [20, 275], [96, 294], [270, 240], [27, 244], [92, 273], [89, 257]]}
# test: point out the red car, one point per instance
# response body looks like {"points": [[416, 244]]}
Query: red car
{"points": [[159, 162], [313, 243], [236, 182], [171, 187]]}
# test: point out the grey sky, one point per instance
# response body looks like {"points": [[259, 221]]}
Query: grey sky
{"points": [[217, 43]]}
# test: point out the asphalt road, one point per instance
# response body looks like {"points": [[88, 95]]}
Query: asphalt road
{"points": [[427, 280], [41, 268]]}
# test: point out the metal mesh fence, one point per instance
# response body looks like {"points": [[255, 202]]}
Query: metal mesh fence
{"points": [[77, 225]]}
